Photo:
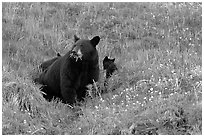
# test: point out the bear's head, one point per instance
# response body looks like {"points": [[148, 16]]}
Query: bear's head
{"points": [[85, 50], [109, 66]]}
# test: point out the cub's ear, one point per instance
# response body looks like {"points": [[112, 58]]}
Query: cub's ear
{"points": [[95, 41], [76, 38]]}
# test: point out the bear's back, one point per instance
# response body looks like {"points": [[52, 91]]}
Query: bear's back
{"points": [[52, 76]]}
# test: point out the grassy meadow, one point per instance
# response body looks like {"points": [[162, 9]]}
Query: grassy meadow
{"points": [[157, 89]]}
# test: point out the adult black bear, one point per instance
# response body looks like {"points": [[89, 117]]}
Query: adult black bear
{"points": [[109, 66], [47, 63], [69, 75]]}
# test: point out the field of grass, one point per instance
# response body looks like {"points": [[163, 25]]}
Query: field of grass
{"points": [[156, 90]]}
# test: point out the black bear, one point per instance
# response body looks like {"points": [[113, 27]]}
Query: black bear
{"points": [[69, 75], [109, 66], [47, 63]]}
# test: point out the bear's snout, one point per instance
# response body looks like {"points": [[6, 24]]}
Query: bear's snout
{"points": [[76, 55]]}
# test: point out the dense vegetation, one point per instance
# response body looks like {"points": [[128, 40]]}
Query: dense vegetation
{"points": [[157, 47]]}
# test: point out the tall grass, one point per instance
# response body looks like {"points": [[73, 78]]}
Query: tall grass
{"points": [[156, 90]]}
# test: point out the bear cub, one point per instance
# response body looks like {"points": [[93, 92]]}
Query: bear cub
{"points": [[109, 66]]}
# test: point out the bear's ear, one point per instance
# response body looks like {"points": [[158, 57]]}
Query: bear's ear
{"points": [[58, 54], [95, 41], [113, 59], [106, 58], [76, 38]]}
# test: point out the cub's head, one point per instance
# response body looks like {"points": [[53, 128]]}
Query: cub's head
{"points": [[109, 66], [85, 49]]}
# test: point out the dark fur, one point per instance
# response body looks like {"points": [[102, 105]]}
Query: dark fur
{"points": [[69, 75], [109, 66], [47, 63]]}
